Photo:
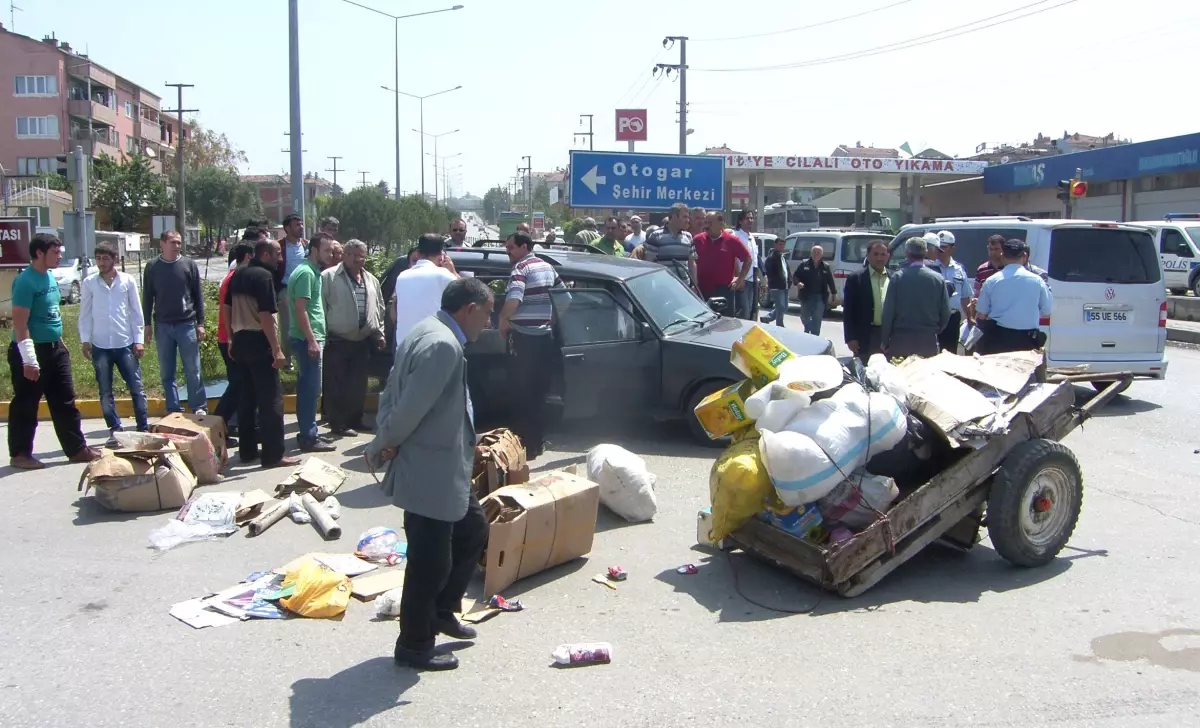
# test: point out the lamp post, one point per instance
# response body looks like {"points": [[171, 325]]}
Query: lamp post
{"points": [[446, 179], [396, 35], [421, 131], [435, 171], [424, 134]]}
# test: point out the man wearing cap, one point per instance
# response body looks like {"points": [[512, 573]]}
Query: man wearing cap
{"points": [[588, 234], [636, 237], [915, 309], [957, 292], [1010, 305]]}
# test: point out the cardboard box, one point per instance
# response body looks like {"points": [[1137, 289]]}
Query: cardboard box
{"points": [[758, 356], [543, 523], [314, 476], [724, 412], [138, 481], [499, 461], [201, 441]]}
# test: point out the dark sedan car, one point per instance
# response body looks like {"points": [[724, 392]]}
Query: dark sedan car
{"points": [[633, 339]]}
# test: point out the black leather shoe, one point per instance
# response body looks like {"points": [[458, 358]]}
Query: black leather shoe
{"points": [[451, 627], [318, 446], [429, 659]]}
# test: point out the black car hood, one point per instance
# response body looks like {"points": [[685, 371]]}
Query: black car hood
{"points": [[721, 334]]}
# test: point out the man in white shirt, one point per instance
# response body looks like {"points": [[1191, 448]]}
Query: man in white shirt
{"points": [[748, 296], [419, 289], [112, 332], [636, 237]]}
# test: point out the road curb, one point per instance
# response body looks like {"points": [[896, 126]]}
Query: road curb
{"points": [[89, 409], [1182, 335]]}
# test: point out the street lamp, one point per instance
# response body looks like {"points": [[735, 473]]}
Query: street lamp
{"points": [[435, 170], [396, 27], [424, 134], [446, 178]]}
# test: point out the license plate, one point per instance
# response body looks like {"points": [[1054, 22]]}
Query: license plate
{"points": [[1108, 317]]}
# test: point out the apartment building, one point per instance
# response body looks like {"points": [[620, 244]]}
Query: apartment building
{"points": [[275, 191], [56, 99]]}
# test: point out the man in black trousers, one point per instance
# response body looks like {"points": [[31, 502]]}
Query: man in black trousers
{"points": [[862, 304]]}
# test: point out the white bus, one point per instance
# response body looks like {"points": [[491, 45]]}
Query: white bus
{"points": [[784, 218], [842, 217]]}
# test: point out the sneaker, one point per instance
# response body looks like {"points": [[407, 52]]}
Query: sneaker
{"points": [[202, 412], [451, 627], [430, 659], [318, 446], [326, 438], [111, 443], [26, 462]]}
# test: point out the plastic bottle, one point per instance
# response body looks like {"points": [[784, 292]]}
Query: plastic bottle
{"points": [[583, 653]]}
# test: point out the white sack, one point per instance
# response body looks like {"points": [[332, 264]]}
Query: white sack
{"points": [[854, 502], [626, 484]]}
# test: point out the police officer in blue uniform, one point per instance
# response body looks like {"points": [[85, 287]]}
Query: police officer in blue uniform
{"points": [[1010, 305]]}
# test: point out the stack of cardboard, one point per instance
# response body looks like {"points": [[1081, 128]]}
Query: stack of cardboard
{"points": [[149, 475], [499, 461]]}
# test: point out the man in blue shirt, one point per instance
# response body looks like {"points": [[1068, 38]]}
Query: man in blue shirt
{"points": [[294, 251], [1011, 304]]}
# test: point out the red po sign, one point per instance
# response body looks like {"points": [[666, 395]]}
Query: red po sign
{"points": [[631, 125]]}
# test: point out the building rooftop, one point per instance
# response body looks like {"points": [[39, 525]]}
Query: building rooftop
{"points": [[858, 150], [260, 179], [65, 48]]}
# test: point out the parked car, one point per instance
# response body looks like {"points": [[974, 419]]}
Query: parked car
{"points": [[633, 341], [70, 274]]}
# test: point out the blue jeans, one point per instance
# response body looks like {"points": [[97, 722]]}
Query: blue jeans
{"points": [[308, 391], [745, 298], [103, 361], [780, 300], [812, 312], [180, 338]]}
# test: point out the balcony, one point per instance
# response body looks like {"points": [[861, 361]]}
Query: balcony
{"points": [[148, 129], [148, 100], [100, 141], [85, 70], [85, 109]]}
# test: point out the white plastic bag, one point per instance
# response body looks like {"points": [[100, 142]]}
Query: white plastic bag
{"points": [[376, 544], [626, 484], [969, 335], [774, 406], [387, 604], [296, 509], [175, 532], [816, 373], [883, 376], [854, 502], [204, 517]]}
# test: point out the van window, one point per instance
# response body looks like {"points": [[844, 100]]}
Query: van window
{"points": [[804, 246], [970, 243], [1172, 242], [854, 247], [1103, 255]]}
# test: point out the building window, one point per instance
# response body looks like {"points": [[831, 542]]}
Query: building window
{"points": [[40, 214], [129, 109], [37, 127], [34, 165], [133, 145], [37, 86]]}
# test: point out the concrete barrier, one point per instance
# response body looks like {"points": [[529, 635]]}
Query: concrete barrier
{"points": [[1183, 308]]}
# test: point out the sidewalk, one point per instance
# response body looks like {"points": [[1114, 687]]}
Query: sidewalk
{"points": [[1186, 332]]}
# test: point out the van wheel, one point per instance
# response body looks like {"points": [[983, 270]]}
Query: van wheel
{"points": [[694, 427], [1196, 286]]}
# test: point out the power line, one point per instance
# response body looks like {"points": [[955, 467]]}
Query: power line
{"points": [[904, 44], [804, 27], [621, 98]]}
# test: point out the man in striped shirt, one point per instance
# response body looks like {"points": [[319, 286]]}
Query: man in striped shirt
{"points": [[526, 321]]}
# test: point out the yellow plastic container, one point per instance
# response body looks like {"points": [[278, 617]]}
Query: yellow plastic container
{"points": [[723, 413], [758, 356]]}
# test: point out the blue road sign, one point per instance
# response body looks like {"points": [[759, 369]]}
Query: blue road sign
{"points": [[646, 181]]}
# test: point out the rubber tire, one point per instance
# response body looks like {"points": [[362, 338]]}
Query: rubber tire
{"points": [[695, 429], [1177, 291], [1004, 501], [1196, 286], [73, 295], [1099, 386]]}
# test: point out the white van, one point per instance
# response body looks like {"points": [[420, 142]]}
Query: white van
{"points": [[1179, 250], [844, 250], [1110, 304]]}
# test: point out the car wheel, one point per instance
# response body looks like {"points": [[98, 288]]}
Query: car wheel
{"points": [[73, 296], [1196, 286], [694, 427]]}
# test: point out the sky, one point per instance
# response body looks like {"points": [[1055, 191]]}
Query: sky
{"points": [[529, 69]]}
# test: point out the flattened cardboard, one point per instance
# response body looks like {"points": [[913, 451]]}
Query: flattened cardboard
{"points": [[188, 425], [367, 588], [946, 401], [1009, 373], [254, 502], [535, 526], [315, 476], [499, 461], [139, 481]]}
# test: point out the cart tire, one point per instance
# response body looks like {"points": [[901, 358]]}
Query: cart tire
{"points": [[1101, 386], [1034, 503], [694, 426]]}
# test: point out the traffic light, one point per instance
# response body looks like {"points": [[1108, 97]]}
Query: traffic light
{"points": [[1064, 189], [62, 164], [1078, 189]]}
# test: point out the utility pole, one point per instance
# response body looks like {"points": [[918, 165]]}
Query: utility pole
{"points": [[294, 106], [364, 177], [529, 187], [303, 210], [180, 196], [681, 69], [335, 169], [589, 133]]}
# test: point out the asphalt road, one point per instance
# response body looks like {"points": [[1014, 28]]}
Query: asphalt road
{"points": [[1107, 635]]}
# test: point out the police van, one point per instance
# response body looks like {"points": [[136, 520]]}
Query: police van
{"points": [[1179, 249], [1106, 280]]}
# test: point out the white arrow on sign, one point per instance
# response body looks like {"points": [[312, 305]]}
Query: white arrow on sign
{"points": [[591, 179]]}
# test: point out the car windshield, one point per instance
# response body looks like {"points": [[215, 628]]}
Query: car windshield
{"points": [[854, 247], [666, 300], [68, 262], [1194, 234]]}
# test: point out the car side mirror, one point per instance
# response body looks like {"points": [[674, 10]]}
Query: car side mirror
{"points": [[644, 332], [718, 303]]}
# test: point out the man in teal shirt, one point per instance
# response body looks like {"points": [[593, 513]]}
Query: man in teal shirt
{"points": [[40, 363], [307, 334]]}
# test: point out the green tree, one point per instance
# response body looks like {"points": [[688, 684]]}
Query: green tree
{"points": [[56, 181], [127, 190], [205, 148], [494, 202], [218, 197], [382, 187]]}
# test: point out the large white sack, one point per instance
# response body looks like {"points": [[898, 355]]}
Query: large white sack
{"points": [[856, 502], [798, 467], [626, 484], [815, 373], [774, 406], [886, 377]]}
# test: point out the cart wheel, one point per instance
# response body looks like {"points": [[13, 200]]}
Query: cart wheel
{"points": [[1034, 502], [1101, 386]]}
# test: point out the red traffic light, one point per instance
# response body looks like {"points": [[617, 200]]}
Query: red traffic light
{"points": [[1078, 189]]}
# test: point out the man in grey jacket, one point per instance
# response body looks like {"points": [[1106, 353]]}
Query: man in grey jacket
{"points": [[353, 328], [426, 434], [915, 309]]}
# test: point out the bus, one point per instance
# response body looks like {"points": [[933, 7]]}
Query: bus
{"points": [[509, 221], [784, 218], [843, 217]]}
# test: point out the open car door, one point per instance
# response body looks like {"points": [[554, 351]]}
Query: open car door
{"points": [[611, 359]]}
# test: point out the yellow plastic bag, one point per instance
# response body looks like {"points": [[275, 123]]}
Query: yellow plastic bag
{"points": [[320, 591], [739, 487]]}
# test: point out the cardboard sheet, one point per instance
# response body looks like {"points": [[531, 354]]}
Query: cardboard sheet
{"points": [[1009, 373], [944, 400], [367, 588], [315, 476]]}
